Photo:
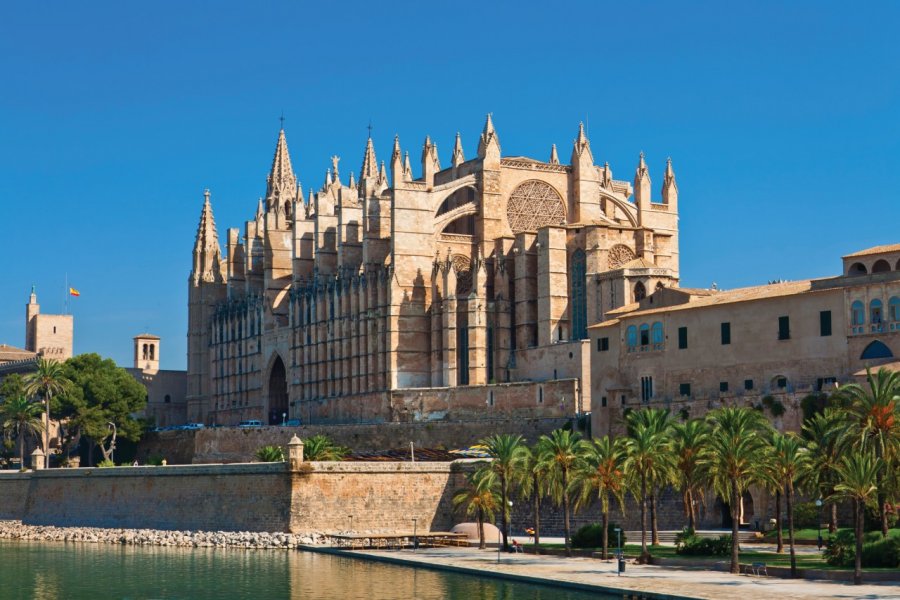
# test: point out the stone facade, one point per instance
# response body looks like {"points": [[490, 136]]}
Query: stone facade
{"points": [[486, 271], [693, 350], [166, 388]]}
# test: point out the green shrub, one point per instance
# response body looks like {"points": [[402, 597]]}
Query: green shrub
{"points": [[806, 515], [270, 454], [155, 460], [687, 543], [812, 404], [872, 519], [591, 536], [840, 549], [774, 405], [106, 463]]}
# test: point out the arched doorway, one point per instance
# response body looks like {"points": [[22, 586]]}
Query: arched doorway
{"points": [[278, 392]]}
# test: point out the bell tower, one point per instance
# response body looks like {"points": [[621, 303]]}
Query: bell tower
{"points": [[146, 352]]}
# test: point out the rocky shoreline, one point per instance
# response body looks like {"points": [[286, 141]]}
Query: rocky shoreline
{"points": [[16, 530]]}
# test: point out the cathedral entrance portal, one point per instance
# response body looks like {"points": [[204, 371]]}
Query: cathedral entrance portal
{"points": [[278, 393]]}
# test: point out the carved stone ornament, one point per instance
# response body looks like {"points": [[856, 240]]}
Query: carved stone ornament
{"points": [[534, 204], [462, 265], [619, 255]]}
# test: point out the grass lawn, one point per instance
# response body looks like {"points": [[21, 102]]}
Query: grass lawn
{"points": [[800, 534]]}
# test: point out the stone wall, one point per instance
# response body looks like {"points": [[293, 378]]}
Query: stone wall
{"points": [[378, 496], [248, 497], [13, 494], [319, 497], [230, 444]]}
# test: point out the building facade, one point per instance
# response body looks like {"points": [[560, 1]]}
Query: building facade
{"points": [[47, 336], [771, 345], [166, 388], [390, 297]]}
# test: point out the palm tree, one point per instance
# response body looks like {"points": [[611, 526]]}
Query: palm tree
{"points": [[602, 472], [858, 475], [47, 381], [688, 442], [507, 452], [531, 482], [20, 418], [561, 451], [480, 497], [823, 433], [789, 460], [875, 425], [648, 456], [735, 459], [320, 447]]}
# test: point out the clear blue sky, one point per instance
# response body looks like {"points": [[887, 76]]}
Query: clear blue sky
{"points": [[782, 119]]}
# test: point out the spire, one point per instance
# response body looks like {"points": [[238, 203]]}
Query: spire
{"points": [[281, 175], [554, 157], [607, 176], [396, 163], [489, 140], [207, 253], [642, 184], [431, 164], [32, 298], [352, 182], [582, 145], [458, 156], [670, 188], [382, 174], [259, 210], [328, 180], [407, 168], [369, 166]]}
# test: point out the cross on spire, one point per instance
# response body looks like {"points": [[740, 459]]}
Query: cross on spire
{"points": [[370, 128], [281, 118]]}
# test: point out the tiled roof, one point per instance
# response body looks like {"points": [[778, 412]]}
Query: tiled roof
{"points": [[875, 250], [760, 292], [148, 336], [11, 353]]}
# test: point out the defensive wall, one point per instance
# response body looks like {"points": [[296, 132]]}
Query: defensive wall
{"points": [[232, 444], [316, 496]]}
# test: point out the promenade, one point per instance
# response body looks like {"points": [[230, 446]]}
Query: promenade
{"points": [[656, 582]]}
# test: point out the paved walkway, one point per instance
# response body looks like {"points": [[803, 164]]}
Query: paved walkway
{"points": [[660, 582]]}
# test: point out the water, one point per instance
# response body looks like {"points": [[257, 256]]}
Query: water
{"points": [[50, 571]]}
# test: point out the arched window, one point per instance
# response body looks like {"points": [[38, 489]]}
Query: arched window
{"points": [[857, 269], [857, 316], [876, 350], [631, 338], [894, 313], [146, 352], [645, 337], [579, 301], [152, 351], [876, 313], [640, 292], [898, 265], [660, 285], [656, 336], [881, 266]]}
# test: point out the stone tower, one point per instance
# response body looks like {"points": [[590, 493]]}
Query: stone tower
{"points": [[206, 289], [146, 352], [49, 335]]}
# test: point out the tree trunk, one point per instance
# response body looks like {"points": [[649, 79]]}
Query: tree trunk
{"points": [[481, 544], [882, 509], [833, 524], [779, 535], [21, 441], [47, 430], [537, 517], [565, 491], [644, 552], [504, 495], [857, 567], [605, 520], [735, 523], [692, 523], [654, 528], [790, 511]]}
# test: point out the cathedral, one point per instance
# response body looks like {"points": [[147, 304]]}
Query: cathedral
{"points": [[463, 293]]}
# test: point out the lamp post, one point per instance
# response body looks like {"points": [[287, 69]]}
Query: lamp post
{"points": [[819, 503], [283, 418], [618, 531], [351, 523]]}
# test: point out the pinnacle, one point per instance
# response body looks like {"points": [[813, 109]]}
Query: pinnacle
{"points": [[488, 126], [369, 165], [282, 171], [582, 138], [554, 157], [207, 236]]}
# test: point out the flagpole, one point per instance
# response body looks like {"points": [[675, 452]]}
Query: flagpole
{"points": [[66, 294]]}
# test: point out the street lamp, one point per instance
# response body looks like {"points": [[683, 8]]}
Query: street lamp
{"points": [[619, 565], [819, 503]]}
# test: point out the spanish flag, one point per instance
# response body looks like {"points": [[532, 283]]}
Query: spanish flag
{"points": [[74, 292]]}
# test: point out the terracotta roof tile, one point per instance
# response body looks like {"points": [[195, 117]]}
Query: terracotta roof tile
{"points": [[875, 250]]}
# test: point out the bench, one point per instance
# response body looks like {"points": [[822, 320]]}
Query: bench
{"points": [[757, 568]]}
